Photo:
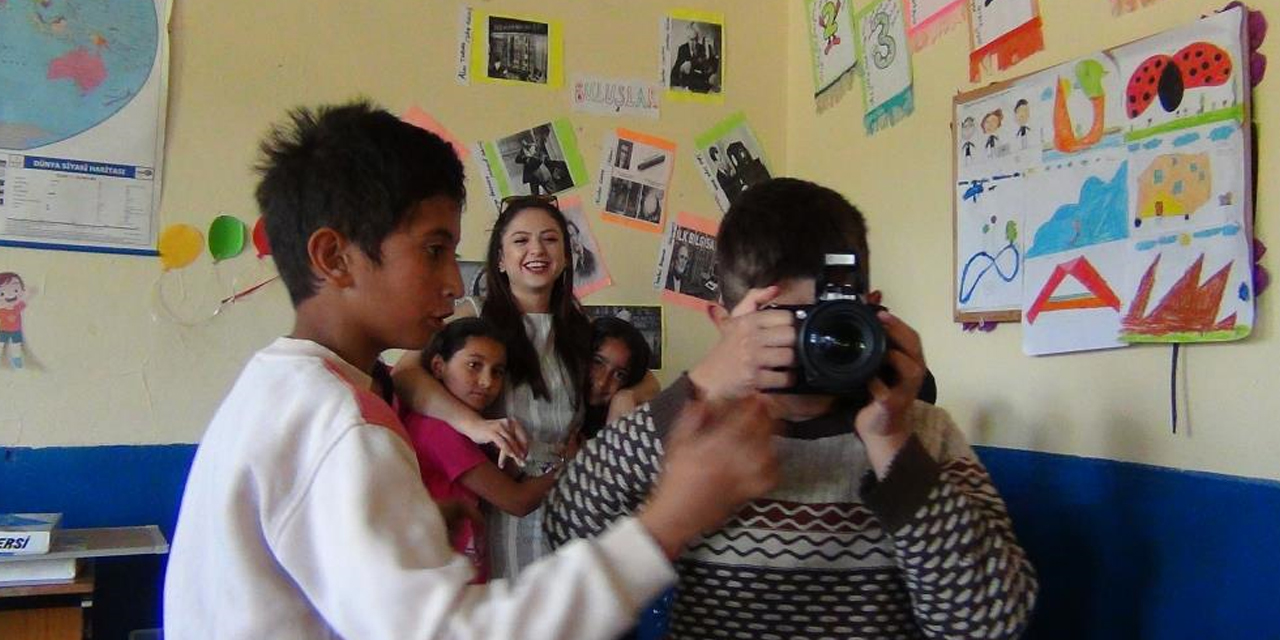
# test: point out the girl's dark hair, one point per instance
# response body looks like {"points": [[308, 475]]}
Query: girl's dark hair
{"points": [[449, 340], [606, 327], [569, 325]]}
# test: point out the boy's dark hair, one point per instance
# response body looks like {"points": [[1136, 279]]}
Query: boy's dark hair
{"points": [[354, 168], [783, 228], [606, 327], [569, 325], [453, 337]]}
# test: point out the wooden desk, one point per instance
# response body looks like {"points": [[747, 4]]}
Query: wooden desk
{"points": [[47, 611], [56, 611]]}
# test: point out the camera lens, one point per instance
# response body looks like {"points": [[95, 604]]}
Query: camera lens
{"points": [[838, 345], [842, 346]]}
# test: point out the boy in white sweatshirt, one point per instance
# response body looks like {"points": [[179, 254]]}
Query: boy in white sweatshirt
{"points": [[304, 515]]}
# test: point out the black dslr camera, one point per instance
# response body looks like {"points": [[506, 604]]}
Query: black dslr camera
{"points": [[840, 342]]}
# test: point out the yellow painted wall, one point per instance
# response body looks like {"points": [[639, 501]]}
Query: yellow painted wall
{"points": [[105, 372], [1102, 404]]}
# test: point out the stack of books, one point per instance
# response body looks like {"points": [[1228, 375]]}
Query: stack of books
{"points": [[25, 541]]}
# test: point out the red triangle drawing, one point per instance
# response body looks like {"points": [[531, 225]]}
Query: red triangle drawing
{"points": [[1080, 269]]}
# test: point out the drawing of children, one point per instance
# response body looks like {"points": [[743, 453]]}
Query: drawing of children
{"points": [[967, 128], [1022, 114], [13, 294], [990, 125]]}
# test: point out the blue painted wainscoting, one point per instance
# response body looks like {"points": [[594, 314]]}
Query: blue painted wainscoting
{"points": [[1123, 550]]}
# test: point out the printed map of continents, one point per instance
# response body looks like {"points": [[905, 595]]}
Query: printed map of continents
{"points": [[68, 65]]}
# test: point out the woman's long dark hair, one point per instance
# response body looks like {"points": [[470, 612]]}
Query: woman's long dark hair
{"points": [[569, 325]]}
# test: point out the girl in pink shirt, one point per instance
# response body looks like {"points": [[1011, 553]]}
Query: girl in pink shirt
{"points": [[470, 360]]}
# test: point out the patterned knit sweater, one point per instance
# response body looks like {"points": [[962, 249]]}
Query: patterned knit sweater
{"points": [[927, 552]]}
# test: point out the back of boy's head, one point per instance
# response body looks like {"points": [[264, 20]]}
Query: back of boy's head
{"points": [[354, 168], [783, 228], [453, 337], [606, 327]]}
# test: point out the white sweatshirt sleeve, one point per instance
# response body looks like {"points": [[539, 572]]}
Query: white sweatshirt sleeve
{"points": [[368, 547]]}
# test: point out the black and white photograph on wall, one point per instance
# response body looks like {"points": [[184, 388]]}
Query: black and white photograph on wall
{"points": [[535, 161], [686, 269], [518, 50], [731, 160], [645, 317], [693, 55], [590, 274], [634, 175]]}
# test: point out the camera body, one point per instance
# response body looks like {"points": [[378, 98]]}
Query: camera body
{"points": [[840, 343]]}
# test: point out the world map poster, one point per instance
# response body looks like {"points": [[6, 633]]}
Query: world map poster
{"points": [[82, 93]]}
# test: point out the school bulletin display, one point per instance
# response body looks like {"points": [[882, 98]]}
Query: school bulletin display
{"points": [[1107, 201]]}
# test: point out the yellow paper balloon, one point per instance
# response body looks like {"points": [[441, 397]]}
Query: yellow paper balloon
{"points": [[180, 245]]}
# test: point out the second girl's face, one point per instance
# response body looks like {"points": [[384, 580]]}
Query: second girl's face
{"points": [[533, 251], [475, 372], [608, 370]]}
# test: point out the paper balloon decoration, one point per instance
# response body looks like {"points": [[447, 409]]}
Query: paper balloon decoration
{"points": [[260, 238], [226, 237], [179, 246]]}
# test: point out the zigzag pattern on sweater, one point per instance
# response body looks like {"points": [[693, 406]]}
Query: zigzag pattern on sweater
{"points": [[722, 552], [781, 515]]}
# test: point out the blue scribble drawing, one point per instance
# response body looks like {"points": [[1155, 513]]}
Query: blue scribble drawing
{"points": [[967, 287], [1185, 139], [1145, 245], [1153, 143], [1047, 94], [1099, 215], [1167, 239], [1135, 146], [1222, 133], [1231, 230], [1243, 292], [973, 191]]}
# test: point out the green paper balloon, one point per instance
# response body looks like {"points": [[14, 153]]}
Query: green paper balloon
{"points": [[226, 237]]}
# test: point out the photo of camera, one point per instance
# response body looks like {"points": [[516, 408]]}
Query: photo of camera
{"points": [[840, 342]]}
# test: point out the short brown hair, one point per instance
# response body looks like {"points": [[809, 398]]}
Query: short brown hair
{"points": [[783, 228]]}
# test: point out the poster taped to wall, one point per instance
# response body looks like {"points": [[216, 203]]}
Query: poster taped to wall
{"points": [[510, 49], [1106, 201], [833, 49], [635, 179], [615, 97], [693, 56], [82, 125], [1002, 34], [730, 159], [929, 19], [538, 161], [887, 95], [686, 268], [590, 273]]}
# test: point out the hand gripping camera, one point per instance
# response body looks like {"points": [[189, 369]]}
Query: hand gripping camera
{"points": [[840, 342]]}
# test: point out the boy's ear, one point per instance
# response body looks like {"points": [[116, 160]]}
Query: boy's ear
{"points": [[437, 366], [330, 260], [717, 314]]}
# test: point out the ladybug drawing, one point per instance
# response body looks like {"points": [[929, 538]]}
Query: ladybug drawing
{"points": [[1198, 64]]}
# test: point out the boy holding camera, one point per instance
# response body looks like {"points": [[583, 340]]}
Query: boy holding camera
{"points": [[883, 524]]}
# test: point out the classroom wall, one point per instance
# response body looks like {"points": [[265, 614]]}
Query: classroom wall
{"points": [[1103, 404], [103, 370]]}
